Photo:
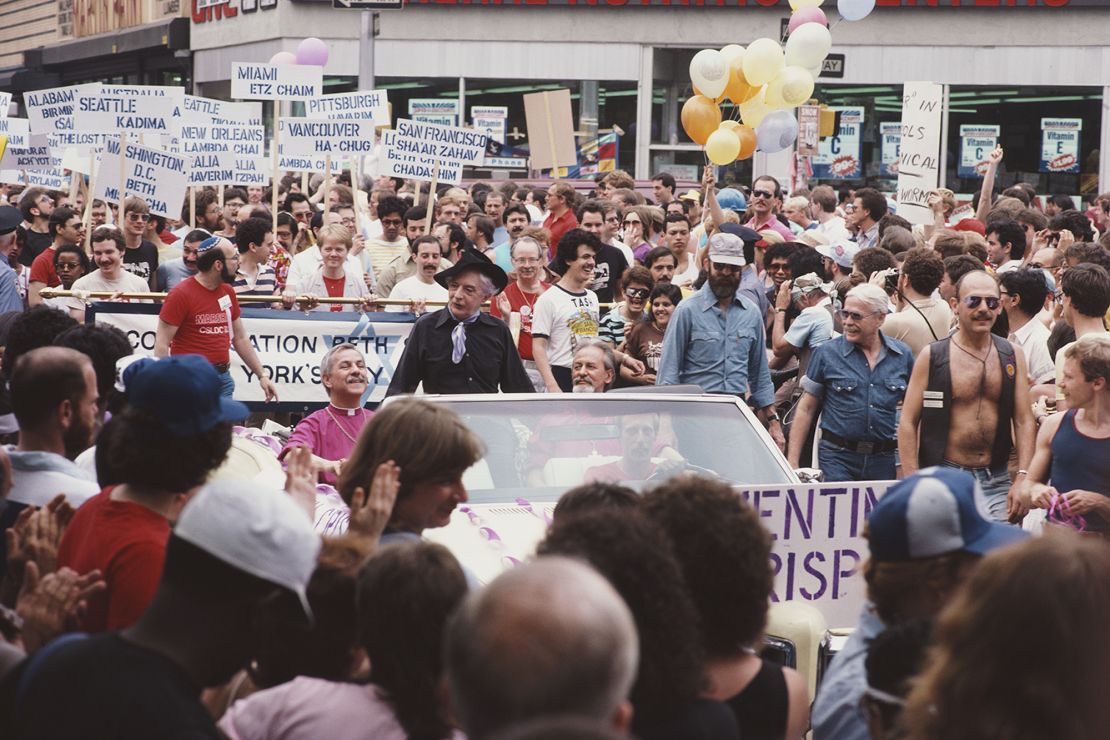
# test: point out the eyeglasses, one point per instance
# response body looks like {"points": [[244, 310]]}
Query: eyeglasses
{"points": [[775, 267], [636, 292], [391, 222], [302, 216], [138, 217], [628, 221], [66, 266], [855, 315], [722, 267], [973, 301], [349, 221], [762, 194]]}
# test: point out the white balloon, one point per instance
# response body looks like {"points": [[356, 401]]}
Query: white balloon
{"points": [[808, 46], [855, 10], [777, 131], [709, 72]]}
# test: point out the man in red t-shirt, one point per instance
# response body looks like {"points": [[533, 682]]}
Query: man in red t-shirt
{"points": [[201, 317], [521, 294], [65, 228], [560, 214], [174, 432]]}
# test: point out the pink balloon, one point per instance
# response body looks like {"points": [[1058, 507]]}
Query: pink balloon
{"points": [[806, 15], [312, 51], [283, 57]]}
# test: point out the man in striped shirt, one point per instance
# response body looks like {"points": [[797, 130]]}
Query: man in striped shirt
{"points": [[254, 238]]}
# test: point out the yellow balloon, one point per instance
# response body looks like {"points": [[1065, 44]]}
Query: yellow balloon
{"points": [[748, 141], [722, 146], [792, 87], [738, 90], [763, 60], [731, 124], [700, 118], [799, 4], [753, 111]]}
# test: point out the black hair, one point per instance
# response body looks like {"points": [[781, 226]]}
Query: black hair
{"points": [[1075, 222], [34, 328], [416, 213], [392, 204], [675, 218], [207, 259], [567, 249], [1087, 286], [803, 261], [86, 265], [142, 453], [294, 197], [105, 345], [594, 497], [516, 208], [667, 179], [199, 235], [781, 250], [1009, 232], [1029, 285], [873, 202], [252, 231], [426, 239], [1061, 201], [235, 192], [924, 269], [959, 265], [59, 218]]}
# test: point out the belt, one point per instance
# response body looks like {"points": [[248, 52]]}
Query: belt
{"points": [[862, 446], [221, 367]]}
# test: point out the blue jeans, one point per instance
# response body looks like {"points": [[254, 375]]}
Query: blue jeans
{"points": [[839, 464], [995, 486], [227, 384]]}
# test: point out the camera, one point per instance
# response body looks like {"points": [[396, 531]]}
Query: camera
{"points": [[890, 282]]}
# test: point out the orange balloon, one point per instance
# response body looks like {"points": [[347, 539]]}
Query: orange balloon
{"points": [[747, 137], [700, 117], [738, 90]]}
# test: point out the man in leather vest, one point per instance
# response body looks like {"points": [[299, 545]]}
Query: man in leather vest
{"points": [[965, 394]]}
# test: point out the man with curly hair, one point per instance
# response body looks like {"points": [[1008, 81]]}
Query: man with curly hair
{"points": [[175, 431]]}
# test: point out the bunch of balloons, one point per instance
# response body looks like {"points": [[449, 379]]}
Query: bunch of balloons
{"points": [[764, 81], [310, 51]]}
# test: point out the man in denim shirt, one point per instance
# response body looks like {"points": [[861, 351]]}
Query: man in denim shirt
{"points": [[715, 338], [859, 379]]}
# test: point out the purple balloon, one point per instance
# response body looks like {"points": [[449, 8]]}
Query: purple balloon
{"points": [[312, 51], [283, 57], [806, 15]]}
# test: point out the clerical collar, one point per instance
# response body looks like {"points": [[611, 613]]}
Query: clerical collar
{"points": [[348, 412]]}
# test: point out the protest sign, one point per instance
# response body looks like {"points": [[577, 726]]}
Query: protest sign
{"points": [[37, 155], [5, 104], [289, 344], [276, 82], [839, 156], [550, 129], [202, 111], [919, 155], [160, 178], [308, 164], [53, 179], [18, 132], [809, 130], [434, 110], [977, 141], [406, 163], [51, 111], [890, 134], [133, 109], [1060, 144], [317, 137], [370, 105], [211, 168], [252, 171], [240, 139]]}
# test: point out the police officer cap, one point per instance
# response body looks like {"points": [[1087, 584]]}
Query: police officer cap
{"points": [[10, 219]]}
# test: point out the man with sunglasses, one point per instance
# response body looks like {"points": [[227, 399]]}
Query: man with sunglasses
{"points": [[36, 205], [855, 382], [765, 201], [715, 338], [966, 392], [140, 258]]}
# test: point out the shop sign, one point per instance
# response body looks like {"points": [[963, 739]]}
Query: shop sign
{"points": [[976, 143], [890, 140], [1060, 144], [838, 157], [434, 110]]}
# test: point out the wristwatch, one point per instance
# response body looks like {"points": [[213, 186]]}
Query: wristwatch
{"points": [[772, 417]]}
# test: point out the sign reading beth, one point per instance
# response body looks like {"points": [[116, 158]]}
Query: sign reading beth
{"points": [[401, 157], [315, 137], [372, 105], [282, 82], [158, 177], [819, 548]]}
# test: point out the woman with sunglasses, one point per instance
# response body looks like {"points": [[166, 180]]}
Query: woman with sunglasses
{"points": [[637, 231], [644, 339], [636, 284]]}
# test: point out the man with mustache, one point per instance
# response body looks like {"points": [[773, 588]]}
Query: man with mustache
{"points": [[331, 432], [109, 275], [716, 338], [965, 393], [520, 298], [421, 285], [174, 271], [201, 317]]}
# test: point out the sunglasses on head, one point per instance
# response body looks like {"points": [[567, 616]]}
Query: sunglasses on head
{"points": [[762, 194], [973, 301]]}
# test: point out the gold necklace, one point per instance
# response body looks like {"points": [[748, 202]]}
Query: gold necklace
{"points": [[327, 409]]}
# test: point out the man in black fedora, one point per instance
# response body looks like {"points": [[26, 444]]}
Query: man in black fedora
{"points": [[460, 349]]}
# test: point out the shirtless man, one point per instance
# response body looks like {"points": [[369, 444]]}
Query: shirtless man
{"points": [[965, 392]]}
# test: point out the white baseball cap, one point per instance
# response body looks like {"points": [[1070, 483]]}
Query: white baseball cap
{"points": [[257, 530]]}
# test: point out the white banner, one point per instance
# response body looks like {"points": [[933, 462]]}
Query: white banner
{"points": [[203, 111], [5, 104], [919, 150], [158, 177], [290, 346], [212, 168], [317, 137], [464, 146], [18, 132], [51, 111], [372, 105], [36, 156], [400, 157], [105, 112], [309, 164], [51, 179], [282, 82], [212, 137]]}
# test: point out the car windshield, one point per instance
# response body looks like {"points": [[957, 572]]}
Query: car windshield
{"points": [[539, 448]]}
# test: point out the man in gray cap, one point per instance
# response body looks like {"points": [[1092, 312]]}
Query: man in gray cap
{"points": [[10, 219], [716, 339]]}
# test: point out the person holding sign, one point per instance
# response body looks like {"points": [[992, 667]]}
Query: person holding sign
{"points": [[460, 349], [201, 317]]}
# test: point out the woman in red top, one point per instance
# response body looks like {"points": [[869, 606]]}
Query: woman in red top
{"points": [[332, 279]]}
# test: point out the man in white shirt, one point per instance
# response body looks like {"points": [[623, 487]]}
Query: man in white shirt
{"points": [[421, 286], [824, 202], [107, 248], [1024, 293], [1005, 245]]}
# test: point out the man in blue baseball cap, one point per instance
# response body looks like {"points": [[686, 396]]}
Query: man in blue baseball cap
{"points": [[926, 534], [151, 458]]}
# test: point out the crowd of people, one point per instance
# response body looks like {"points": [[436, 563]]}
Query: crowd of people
{"points": [[154, 594]]}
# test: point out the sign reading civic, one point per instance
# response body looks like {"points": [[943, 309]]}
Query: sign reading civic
{"points": [[281, 82], [977, 141], [839, 157], [1060, 144], [919, 155]]}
